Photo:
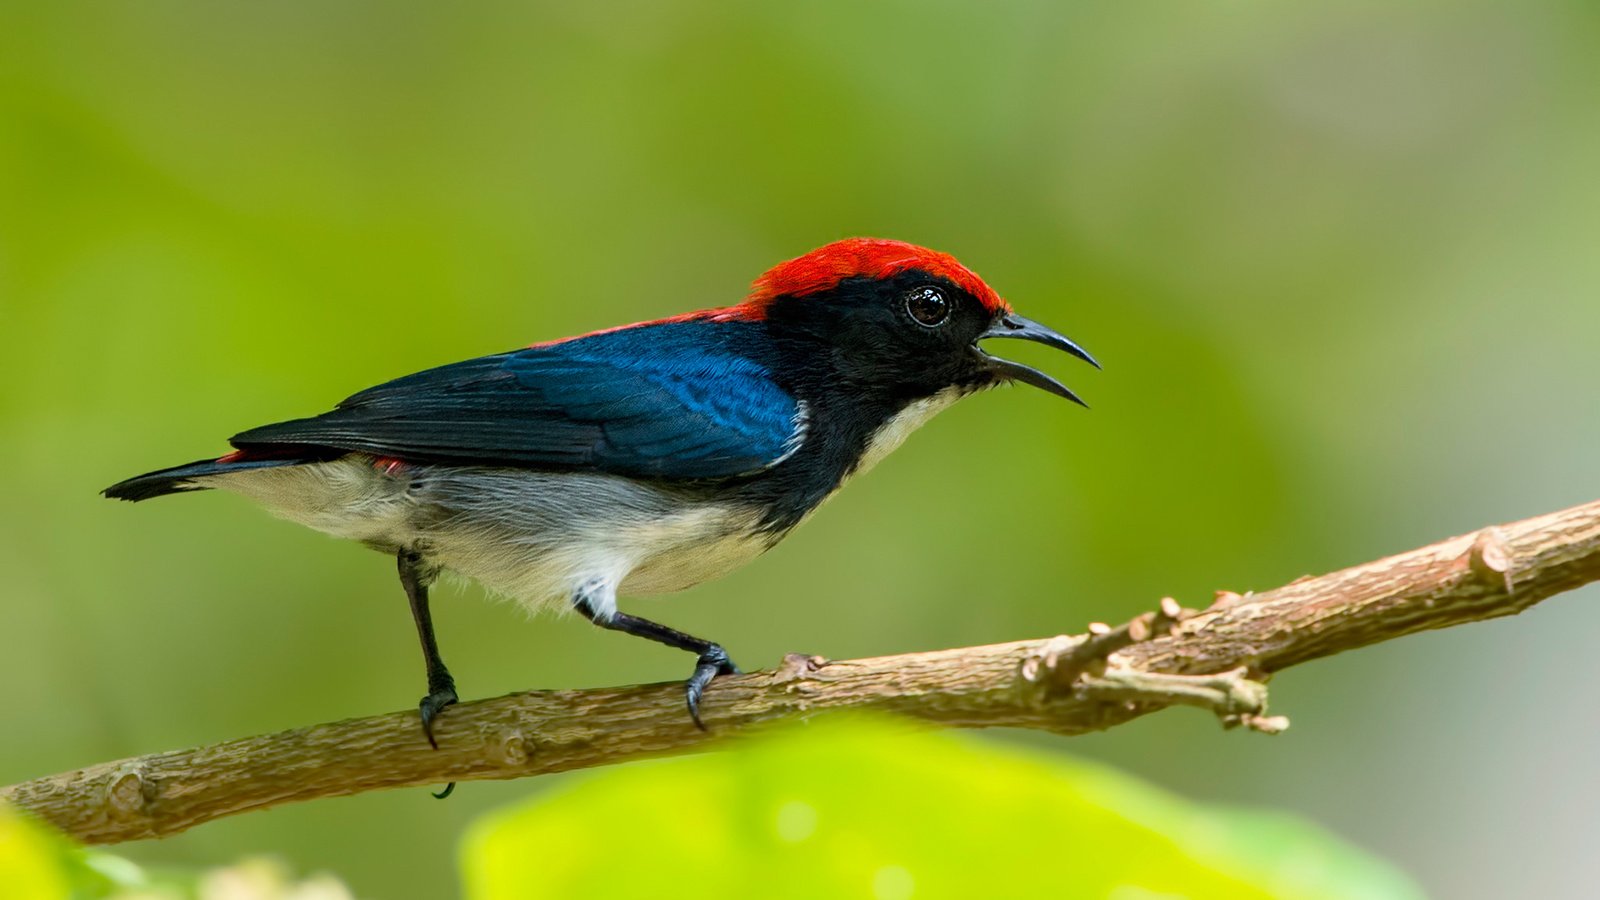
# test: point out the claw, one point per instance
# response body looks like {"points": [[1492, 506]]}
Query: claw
{"points": [[430, 706], [438, 698], [713, 662]]}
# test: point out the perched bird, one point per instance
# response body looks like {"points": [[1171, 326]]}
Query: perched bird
{"points": [[641, 459]]}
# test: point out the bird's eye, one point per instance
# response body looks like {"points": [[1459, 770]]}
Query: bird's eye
{"points": [[928, 306]]}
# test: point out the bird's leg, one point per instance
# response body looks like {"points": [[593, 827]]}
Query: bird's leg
{"points": [[713, 660], [415, 576]]}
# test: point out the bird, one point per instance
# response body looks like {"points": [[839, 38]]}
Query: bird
{"points": [[636, 460]]}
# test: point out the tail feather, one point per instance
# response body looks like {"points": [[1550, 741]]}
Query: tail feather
{"points": [[182, 478]]}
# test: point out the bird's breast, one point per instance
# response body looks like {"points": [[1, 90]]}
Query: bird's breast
{"points": [[682, 551]]}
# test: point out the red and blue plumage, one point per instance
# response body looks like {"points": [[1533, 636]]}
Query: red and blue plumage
{"points": [[639, 459]]}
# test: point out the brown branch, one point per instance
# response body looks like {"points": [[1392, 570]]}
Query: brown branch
{"points": [[1216, 659]]}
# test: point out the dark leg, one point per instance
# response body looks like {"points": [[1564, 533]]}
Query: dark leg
{"points": [[713, 660], [416, 577]]}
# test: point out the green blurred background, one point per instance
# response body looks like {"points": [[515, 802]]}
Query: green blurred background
{"points": [[1341, 265]]}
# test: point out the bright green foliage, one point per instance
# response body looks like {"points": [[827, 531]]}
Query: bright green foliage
{"points": [[861, 809], [32, 863], [37, 864]]}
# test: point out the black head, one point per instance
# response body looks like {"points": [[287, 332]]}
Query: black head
{"points": [[892, 319]]}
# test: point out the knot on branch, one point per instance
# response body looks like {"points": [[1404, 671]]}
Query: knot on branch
{"points": [[125, 793], [1490, 560], [511, 747], [797, 667]]}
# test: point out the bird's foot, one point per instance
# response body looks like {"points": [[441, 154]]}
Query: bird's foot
{"points": [[713, 661], [440, 695]]}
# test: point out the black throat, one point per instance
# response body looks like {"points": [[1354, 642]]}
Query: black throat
{"points": [[845, 357]]}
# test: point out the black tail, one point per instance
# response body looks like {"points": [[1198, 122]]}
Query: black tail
{"points": [[181, 478]]}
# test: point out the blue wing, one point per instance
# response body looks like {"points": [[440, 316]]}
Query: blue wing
{"points": [[653, 401]]}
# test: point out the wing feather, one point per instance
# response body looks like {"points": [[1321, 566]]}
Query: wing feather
{"points": [[642, 405]]}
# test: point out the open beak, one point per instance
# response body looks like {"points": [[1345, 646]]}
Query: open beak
{"points": [[1012, 325]]}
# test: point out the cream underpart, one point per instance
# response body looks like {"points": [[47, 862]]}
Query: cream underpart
{"points": [[538, 539], [894, 432], [346, 498], [671, 553]]}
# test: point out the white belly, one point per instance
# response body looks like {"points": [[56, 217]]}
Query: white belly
{"points": [[535, 538]]}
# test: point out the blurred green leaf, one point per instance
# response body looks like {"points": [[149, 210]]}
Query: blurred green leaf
{"points": [[32, 862], [865, 809], [38, 864]]}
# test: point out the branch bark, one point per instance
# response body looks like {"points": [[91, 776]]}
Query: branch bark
{"points": [[1218, 659]]}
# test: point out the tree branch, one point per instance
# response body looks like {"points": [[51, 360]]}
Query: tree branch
{"points": [[1216, 659]]}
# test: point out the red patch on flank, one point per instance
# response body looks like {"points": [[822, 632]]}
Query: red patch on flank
{"points": [[388, 465], [822, 269], [235, 456]]}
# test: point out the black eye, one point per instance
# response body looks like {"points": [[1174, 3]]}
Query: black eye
{"points": [[928, 306]]}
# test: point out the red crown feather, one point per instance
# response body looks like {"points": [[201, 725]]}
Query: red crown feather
{"points": [[824, 267]]}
